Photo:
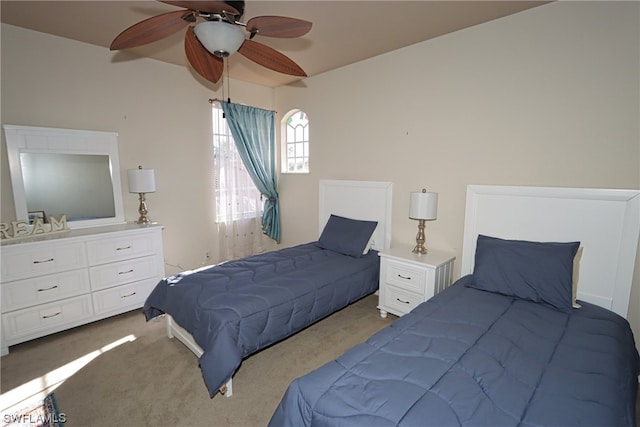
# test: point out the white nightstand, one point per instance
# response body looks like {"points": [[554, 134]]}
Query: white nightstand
{"points": [[408, 279]]}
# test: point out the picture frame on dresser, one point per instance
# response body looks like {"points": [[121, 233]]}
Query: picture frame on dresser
{"points": [[33, 215]]}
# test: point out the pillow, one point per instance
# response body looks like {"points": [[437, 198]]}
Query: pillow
{"points": [[534, 271], [347, 236]]}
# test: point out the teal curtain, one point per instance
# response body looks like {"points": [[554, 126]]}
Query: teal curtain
{"points": [[253, 130]]}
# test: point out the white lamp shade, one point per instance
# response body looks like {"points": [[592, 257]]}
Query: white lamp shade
{"points": [[219, 38], [141, 180], [423, 205]]}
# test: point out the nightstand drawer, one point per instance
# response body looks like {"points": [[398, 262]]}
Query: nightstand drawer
{"points": [[399, 301], [406, 276], [408, 279]]}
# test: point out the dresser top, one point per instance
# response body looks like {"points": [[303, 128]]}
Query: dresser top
{"points": [[77, 232]]}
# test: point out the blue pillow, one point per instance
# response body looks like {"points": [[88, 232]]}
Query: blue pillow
{"points": [[346, 236], [534, 271]]}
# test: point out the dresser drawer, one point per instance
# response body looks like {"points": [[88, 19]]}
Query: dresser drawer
{"points": [[36, 321], [406, 276], [43, 289], [131, 245], [23, 263], [124, 297], [399, 301], [119, 273]]}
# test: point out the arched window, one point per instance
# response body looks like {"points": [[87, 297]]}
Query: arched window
{"points": [[295, 142]]}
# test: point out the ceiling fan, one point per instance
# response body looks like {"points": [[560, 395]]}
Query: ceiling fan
{"points": [[218, 35]]}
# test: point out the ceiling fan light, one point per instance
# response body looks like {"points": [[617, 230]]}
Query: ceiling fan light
{"points": [[220, 38]]}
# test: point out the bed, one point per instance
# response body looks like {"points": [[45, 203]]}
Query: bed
{"points": [[532, 334], [227, 312]]}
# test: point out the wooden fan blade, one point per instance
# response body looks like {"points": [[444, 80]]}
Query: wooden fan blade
{"points": [[207, 65], [270, 58], [151, 30], [210, 6], [278, 26]]}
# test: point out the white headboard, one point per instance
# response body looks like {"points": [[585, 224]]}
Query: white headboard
{"points": [[364, 200], [606, 222]]}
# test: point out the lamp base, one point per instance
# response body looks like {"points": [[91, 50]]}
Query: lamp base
{"points": [[142, 210], [143, 220], [420, 249]]}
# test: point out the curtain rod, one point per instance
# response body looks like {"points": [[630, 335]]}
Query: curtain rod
{"points": [[212, 100]]}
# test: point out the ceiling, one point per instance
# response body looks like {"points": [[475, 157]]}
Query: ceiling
{"points": [[343, 32]]}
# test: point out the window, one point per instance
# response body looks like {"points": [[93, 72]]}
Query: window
{"points": [[236, 195], [295, 131]]}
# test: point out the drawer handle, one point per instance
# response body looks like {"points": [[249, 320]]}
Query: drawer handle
{"points": [[48, 289], [404, 277], [404, 302], [52, 315], [124, 248], [42, 262], [127, 296], [126, 272]]}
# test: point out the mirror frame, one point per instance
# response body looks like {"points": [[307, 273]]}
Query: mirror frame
{"points": [[32, 139]]}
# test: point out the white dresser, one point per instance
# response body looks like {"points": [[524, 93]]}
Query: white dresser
{"points": [[408, 279], [61, 280]]}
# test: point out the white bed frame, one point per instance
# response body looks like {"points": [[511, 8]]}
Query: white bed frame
{"points": [[606, 222], [364, 200]]}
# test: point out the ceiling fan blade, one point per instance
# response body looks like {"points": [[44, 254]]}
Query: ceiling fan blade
{"points": [[278, 26], [207, 65], [270, 58], [210, 6], [151, 29]]}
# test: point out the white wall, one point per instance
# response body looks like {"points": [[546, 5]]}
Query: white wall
{"points": [[160, 111], [546, 97]]}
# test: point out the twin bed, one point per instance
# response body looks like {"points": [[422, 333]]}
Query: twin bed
{"points": [[230, 311], [532, 334]]}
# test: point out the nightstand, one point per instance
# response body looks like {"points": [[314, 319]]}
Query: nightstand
{"points": [[408, 279]]}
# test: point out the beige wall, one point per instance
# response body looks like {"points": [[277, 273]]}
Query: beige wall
{"points": [[160, 111], [547, 97]]}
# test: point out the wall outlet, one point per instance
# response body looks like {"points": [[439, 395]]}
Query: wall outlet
{"points": [[206, 258]]}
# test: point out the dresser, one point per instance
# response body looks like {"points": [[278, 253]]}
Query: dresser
{"points": [[57, 281], [408, 279]]}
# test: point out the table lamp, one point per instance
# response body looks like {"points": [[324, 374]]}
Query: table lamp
{"points": [[423, 206], [142, 181]]}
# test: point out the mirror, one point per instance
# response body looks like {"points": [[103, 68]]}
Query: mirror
{"points": [[57, 172]]}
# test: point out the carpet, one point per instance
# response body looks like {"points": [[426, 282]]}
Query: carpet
{"points": [[43, 413]]}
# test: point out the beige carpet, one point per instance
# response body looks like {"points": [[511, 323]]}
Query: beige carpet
{"points": [[126, 372]]}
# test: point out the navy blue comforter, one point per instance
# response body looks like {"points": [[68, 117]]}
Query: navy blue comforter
{"points": [[239, 307], [475, 358]]}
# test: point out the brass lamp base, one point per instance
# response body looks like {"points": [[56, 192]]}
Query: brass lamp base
{"points": [[420, 249], [142, 210]]}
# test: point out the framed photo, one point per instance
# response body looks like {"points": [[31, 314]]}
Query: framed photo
{"points": [[37, 214]]}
